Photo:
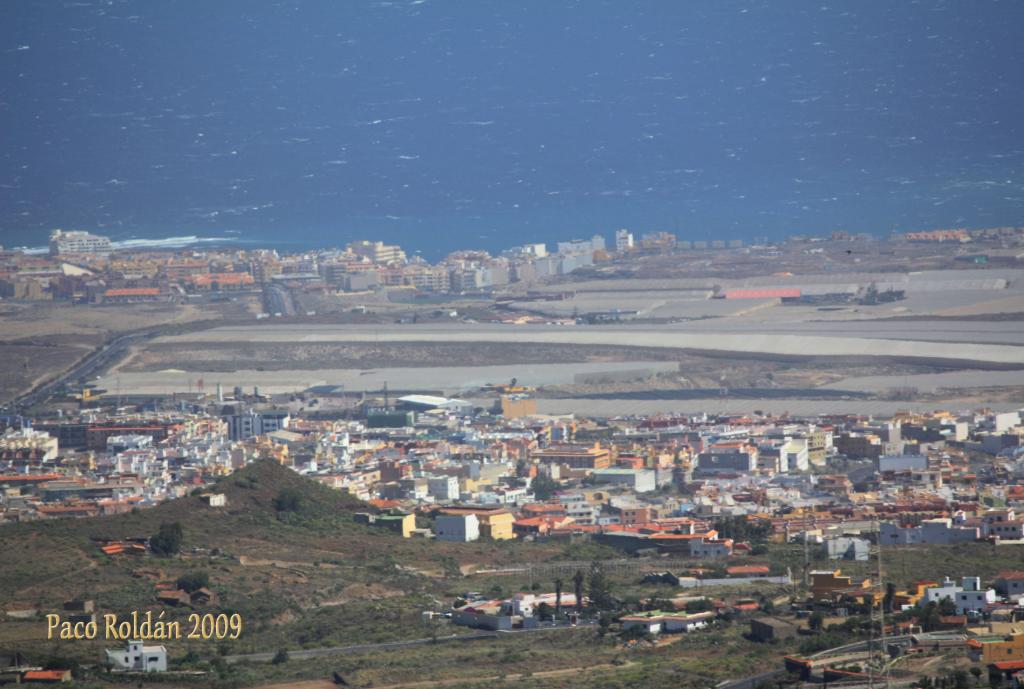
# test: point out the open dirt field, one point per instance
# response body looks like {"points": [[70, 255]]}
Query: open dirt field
{"points": [[946, 344], [450, 379], [41, 340]]}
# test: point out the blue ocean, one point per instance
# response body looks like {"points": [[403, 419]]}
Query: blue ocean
{"points": [[444, 124]]}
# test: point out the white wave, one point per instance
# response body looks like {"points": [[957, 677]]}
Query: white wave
{"points": [[169, 242], [154, 243]]}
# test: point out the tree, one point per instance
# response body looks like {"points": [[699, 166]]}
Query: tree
{"points": [[743, 529], [544, 487], [930, 616], [890, 597], [545, 611], [193, 581], [577, 580], [976, 672], [636, 634], [280, 657], [816, 621], [288, 500], [699, 605], [599, 588], [558, 597], [167, 540]]}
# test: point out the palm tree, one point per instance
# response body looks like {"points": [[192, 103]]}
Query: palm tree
{"points": [[558, 598], [577, 581]]}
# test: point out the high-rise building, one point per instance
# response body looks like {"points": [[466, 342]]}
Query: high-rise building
{"points": [[250, 423], [623, 240], [378, 252], [62, 243]]}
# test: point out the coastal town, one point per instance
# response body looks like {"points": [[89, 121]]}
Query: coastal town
{"points": [[649, 493], [411, 344]]}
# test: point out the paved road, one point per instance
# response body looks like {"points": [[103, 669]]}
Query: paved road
{"points": [[100, 360], [828, 654], [752, 681]]}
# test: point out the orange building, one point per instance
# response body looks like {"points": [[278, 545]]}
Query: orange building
{"points": [[575, 456], [831, 585], [991, 650]]}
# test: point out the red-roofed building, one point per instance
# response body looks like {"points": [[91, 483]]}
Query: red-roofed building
{"points": [[747, 570], [220, 281], [132, 295], [540, 526], [84, 509], [17, 479], [764, 293], [1010, 583], [48, 676], [547, 509]]}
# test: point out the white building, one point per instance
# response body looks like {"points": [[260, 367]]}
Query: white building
{"points": [[122, 443], [794, 455], [461, 527], [27, 444], [62, 243], [581, 512], [215, 499], [577, 246], [657, 622], [139, 658], [1005, 421], [715, 548], [934, 594], [902, 463], [443, 488], [251, 423], [378, 252], [973, 598], [931, 532], [623, 240], [420, 403], [526, 604], [847, 548], [639, 480]]}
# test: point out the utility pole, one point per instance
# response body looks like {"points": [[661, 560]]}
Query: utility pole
{"points": [[807, 554], [881, 607]]}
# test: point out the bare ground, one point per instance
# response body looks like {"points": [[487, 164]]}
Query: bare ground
{"points": [[39, 341]]}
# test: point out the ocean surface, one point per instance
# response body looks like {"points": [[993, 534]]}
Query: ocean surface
{"points": [[444, 124]]}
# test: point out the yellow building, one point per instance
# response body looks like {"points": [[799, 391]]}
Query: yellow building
{"points": [[994, 650], [495, 522], [399, 523], [913, 594], [517, 407], [829, 585]]}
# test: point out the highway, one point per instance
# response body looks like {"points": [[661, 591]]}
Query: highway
{"points": [[102, 358], [84, 370]]}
